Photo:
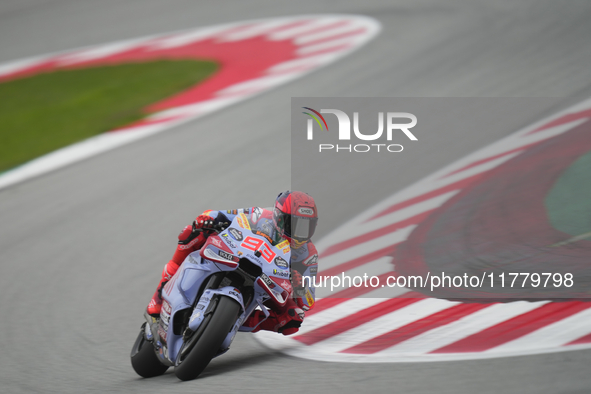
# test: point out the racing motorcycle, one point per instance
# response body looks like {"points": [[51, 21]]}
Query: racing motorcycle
{"points": [[207, 301]]}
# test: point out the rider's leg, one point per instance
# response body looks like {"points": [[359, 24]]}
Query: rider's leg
{"points": [[155, 304]]}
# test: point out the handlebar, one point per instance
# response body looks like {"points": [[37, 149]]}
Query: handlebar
{"points": [[217, 228]]}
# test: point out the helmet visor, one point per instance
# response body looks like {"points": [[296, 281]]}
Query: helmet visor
{"points": [[297, 227], [301, 228]]}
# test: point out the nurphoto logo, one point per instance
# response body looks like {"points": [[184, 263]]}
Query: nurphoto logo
{"points": [[393, 125]]}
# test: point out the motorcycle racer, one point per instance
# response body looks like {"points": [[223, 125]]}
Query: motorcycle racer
{"points": [[293, 218]]}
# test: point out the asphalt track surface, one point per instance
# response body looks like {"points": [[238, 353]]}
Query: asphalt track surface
{"points": [[81, 248]]}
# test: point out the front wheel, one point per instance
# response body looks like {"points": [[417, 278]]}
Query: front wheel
{"points": [[210, 341], [143, 358]]}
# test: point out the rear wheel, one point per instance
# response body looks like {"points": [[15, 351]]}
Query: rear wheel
{"points": [[210, 341], [143, 358]]}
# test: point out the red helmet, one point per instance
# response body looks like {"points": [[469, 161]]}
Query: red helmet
{"points": [[295, 216]]}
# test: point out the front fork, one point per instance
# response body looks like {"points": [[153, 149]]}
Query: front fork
{"points": [[151, 330], [203, 306]]}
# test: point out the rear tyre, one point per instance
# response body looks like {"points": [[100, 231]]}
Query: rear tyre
{"points": [[209, 343], [143, 358]]}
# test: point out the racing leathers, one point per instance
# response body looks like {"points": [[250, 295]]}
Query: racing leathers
{"points": [[304, 263]]}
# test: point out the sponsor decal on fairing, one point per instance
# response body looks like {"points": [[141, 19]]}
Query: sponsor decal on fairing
{"points": [[281, 273], [236, 234], [281, 262]]}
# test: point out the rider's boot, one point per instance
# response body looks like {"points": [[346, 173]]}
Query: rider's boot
{"points": [[189, 241], [285, 320], [155, 304], [253, 320]]}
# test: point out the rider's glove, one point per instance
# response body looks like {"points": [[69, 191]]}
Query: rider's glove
{"points": [[203, 221], [294, 317]]}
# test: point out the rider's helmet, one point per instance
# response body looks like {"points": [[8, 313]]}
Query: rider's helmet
{"points": [[295, 216]]}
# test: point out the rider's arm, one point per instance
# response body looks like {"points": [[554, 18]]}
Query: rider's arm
{"points": [[190, 240], [305, 295]]}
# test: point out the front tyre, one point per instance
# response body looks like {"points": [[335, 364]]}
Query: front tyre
{"points": [[211, 339], [143, 358]]}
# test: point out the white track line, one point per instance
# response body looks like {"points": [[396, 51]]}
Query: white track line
{"points": [[325, 34], [298, 31], [383, 324], [258, 84], [376, 267], [462, 328], [338, 312], [399, 215], [253, 31], [195, 110], [76, 152], [552, 335], [183, 39], [373, 268], [348, 41], [22, 64], [100, 52], [302, 62], [365, 248]]}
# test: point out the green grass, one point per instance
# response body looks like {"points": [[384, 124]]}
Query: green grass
{"points": [[44, 112]]}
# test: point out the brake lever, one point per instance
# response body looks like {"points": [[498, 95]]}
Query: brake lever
{"points": [[218, 228]]}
